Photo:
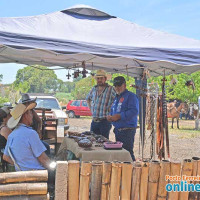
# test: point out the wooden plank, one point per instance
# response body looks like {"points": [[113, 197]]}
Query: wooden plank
{"points": [[24, 176], [23, 189]]}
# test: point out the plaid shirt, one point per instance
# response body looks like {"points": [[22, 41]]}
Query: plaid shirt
{"points": [[101, 104]]}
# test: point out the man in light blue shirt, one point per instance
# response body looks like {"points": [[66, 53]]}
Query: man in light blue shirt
{"points": [[24, 148]]}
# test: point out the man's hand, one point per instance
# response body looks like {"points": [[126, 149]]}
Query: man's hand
{"points": [[109, 118], [8, 159], [113, 118], [89, 104]]}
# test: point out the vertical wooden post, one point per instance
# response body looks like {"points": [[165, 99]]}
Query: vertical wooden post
{"points": [[175, 171], [144, 181], [61, 180], [97, 168], [136, 177], [85, 176], [198, 174], [154, 172], [127, 168], [107, 166], [194, 195], [73, 179], [164, 170], [186, 170], [115, 181]]}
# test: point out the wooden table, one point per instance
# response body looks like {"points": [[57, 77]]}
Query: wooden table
{"points": [[95, 153]]}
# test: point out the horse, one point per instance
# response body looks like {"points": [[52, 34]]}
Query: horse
{"points": [[173, 112]]}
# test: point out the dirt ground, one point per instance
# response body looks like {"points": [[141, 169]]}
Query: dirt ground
{"points": [[181, 147]]}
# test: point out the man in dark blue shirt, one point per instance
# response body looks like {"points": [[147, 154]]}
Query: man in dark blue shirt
{"points": [[123, 116]]}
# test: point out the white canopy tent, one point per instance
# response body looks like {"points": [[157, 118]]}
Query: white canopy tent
{"points": [[69, 37]]}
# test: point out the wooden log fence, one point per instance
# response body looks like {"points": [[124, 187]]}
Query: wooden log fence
{"points": [[131, 181], [107, 181], [25, 185]]}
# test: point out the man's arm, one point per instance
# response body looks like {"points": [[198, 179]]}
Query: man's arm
{"points": [[132, 109], [89, 103], [88, 99], [8, 159], [44, 160]]}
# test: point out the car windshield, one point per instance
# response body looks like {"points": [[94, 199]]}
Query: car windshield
{"points": [[47, 103]]}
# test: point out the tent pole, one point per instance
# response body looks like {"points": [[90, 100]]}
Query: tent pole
{"points": [[142, 108]]}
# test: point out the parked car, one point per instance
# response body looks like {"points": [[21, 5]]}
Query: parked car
{"points": [[53, 113], [77, 108]]}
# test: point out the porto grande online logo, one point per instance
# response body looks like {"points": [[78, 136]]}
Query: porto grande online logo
{"points": [[183, 183]]}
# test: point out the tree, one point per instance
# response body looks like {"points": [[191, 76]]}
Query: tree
{"points": [[180, 91], [36, 80], [67, 87], [82, 88]]}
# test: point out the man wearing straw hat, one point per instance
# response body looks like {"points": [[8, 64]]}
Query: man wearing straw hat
{"points": [[37, 123], [24, 148], [99, 100], [124, 112]]}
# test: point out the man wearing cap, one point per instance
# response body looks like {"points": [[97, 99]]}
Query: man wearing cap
{"points": [[124, 112], [24, 148], [99, 100]]}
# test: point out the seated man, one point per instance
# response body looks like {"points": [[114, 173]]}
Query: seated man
{"points": [[24, 148], [37, 123]]}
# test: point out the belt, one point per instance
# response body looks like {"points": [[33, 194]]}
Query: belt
{"points": [[126, 129], [98, 119]]}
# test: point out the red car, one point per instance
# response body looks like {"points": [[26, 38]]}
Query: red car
{"points": [[77, 108]]}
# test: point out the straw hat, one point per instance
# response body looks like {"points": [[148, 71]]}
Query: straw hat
{"points": [[17, 113], [4, 111], [100, 73]]}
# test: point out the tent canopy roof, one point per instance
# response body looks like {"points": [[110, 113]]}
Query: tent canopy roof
{"points": [[83, 34], [86, 10]]}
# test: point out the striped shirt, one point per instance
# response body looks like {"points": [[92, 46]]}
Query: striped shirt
{"points": [[101, 104]]}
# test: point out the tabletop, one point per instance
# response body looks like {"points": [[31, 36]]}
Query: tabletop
{"points": [[94, 153]]}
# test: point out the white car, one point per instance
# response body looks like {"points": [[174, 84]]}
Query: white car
{"points": [[55, 112]]}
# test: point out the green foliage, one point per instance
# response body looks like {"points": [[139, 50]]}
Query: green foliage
{"points": [[23, 87], [64, 98], [3, 100], [180, 91], [83, 87], [67, 87], [34, 80]]}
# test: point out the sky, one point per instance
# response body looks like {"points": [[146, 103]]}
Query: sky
{"points": [[180, 17]]}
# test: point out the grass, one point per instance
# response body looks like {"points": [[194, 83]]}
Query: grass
{"points": [[187, 129]]}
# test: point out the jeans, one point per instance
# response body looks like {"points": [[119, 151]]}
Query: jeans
{"points": [[127, 138], [101, 128]]}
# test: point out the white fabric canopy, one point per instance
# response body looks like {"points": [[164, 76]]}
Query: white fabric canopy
{"points": [[69, 37]]}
